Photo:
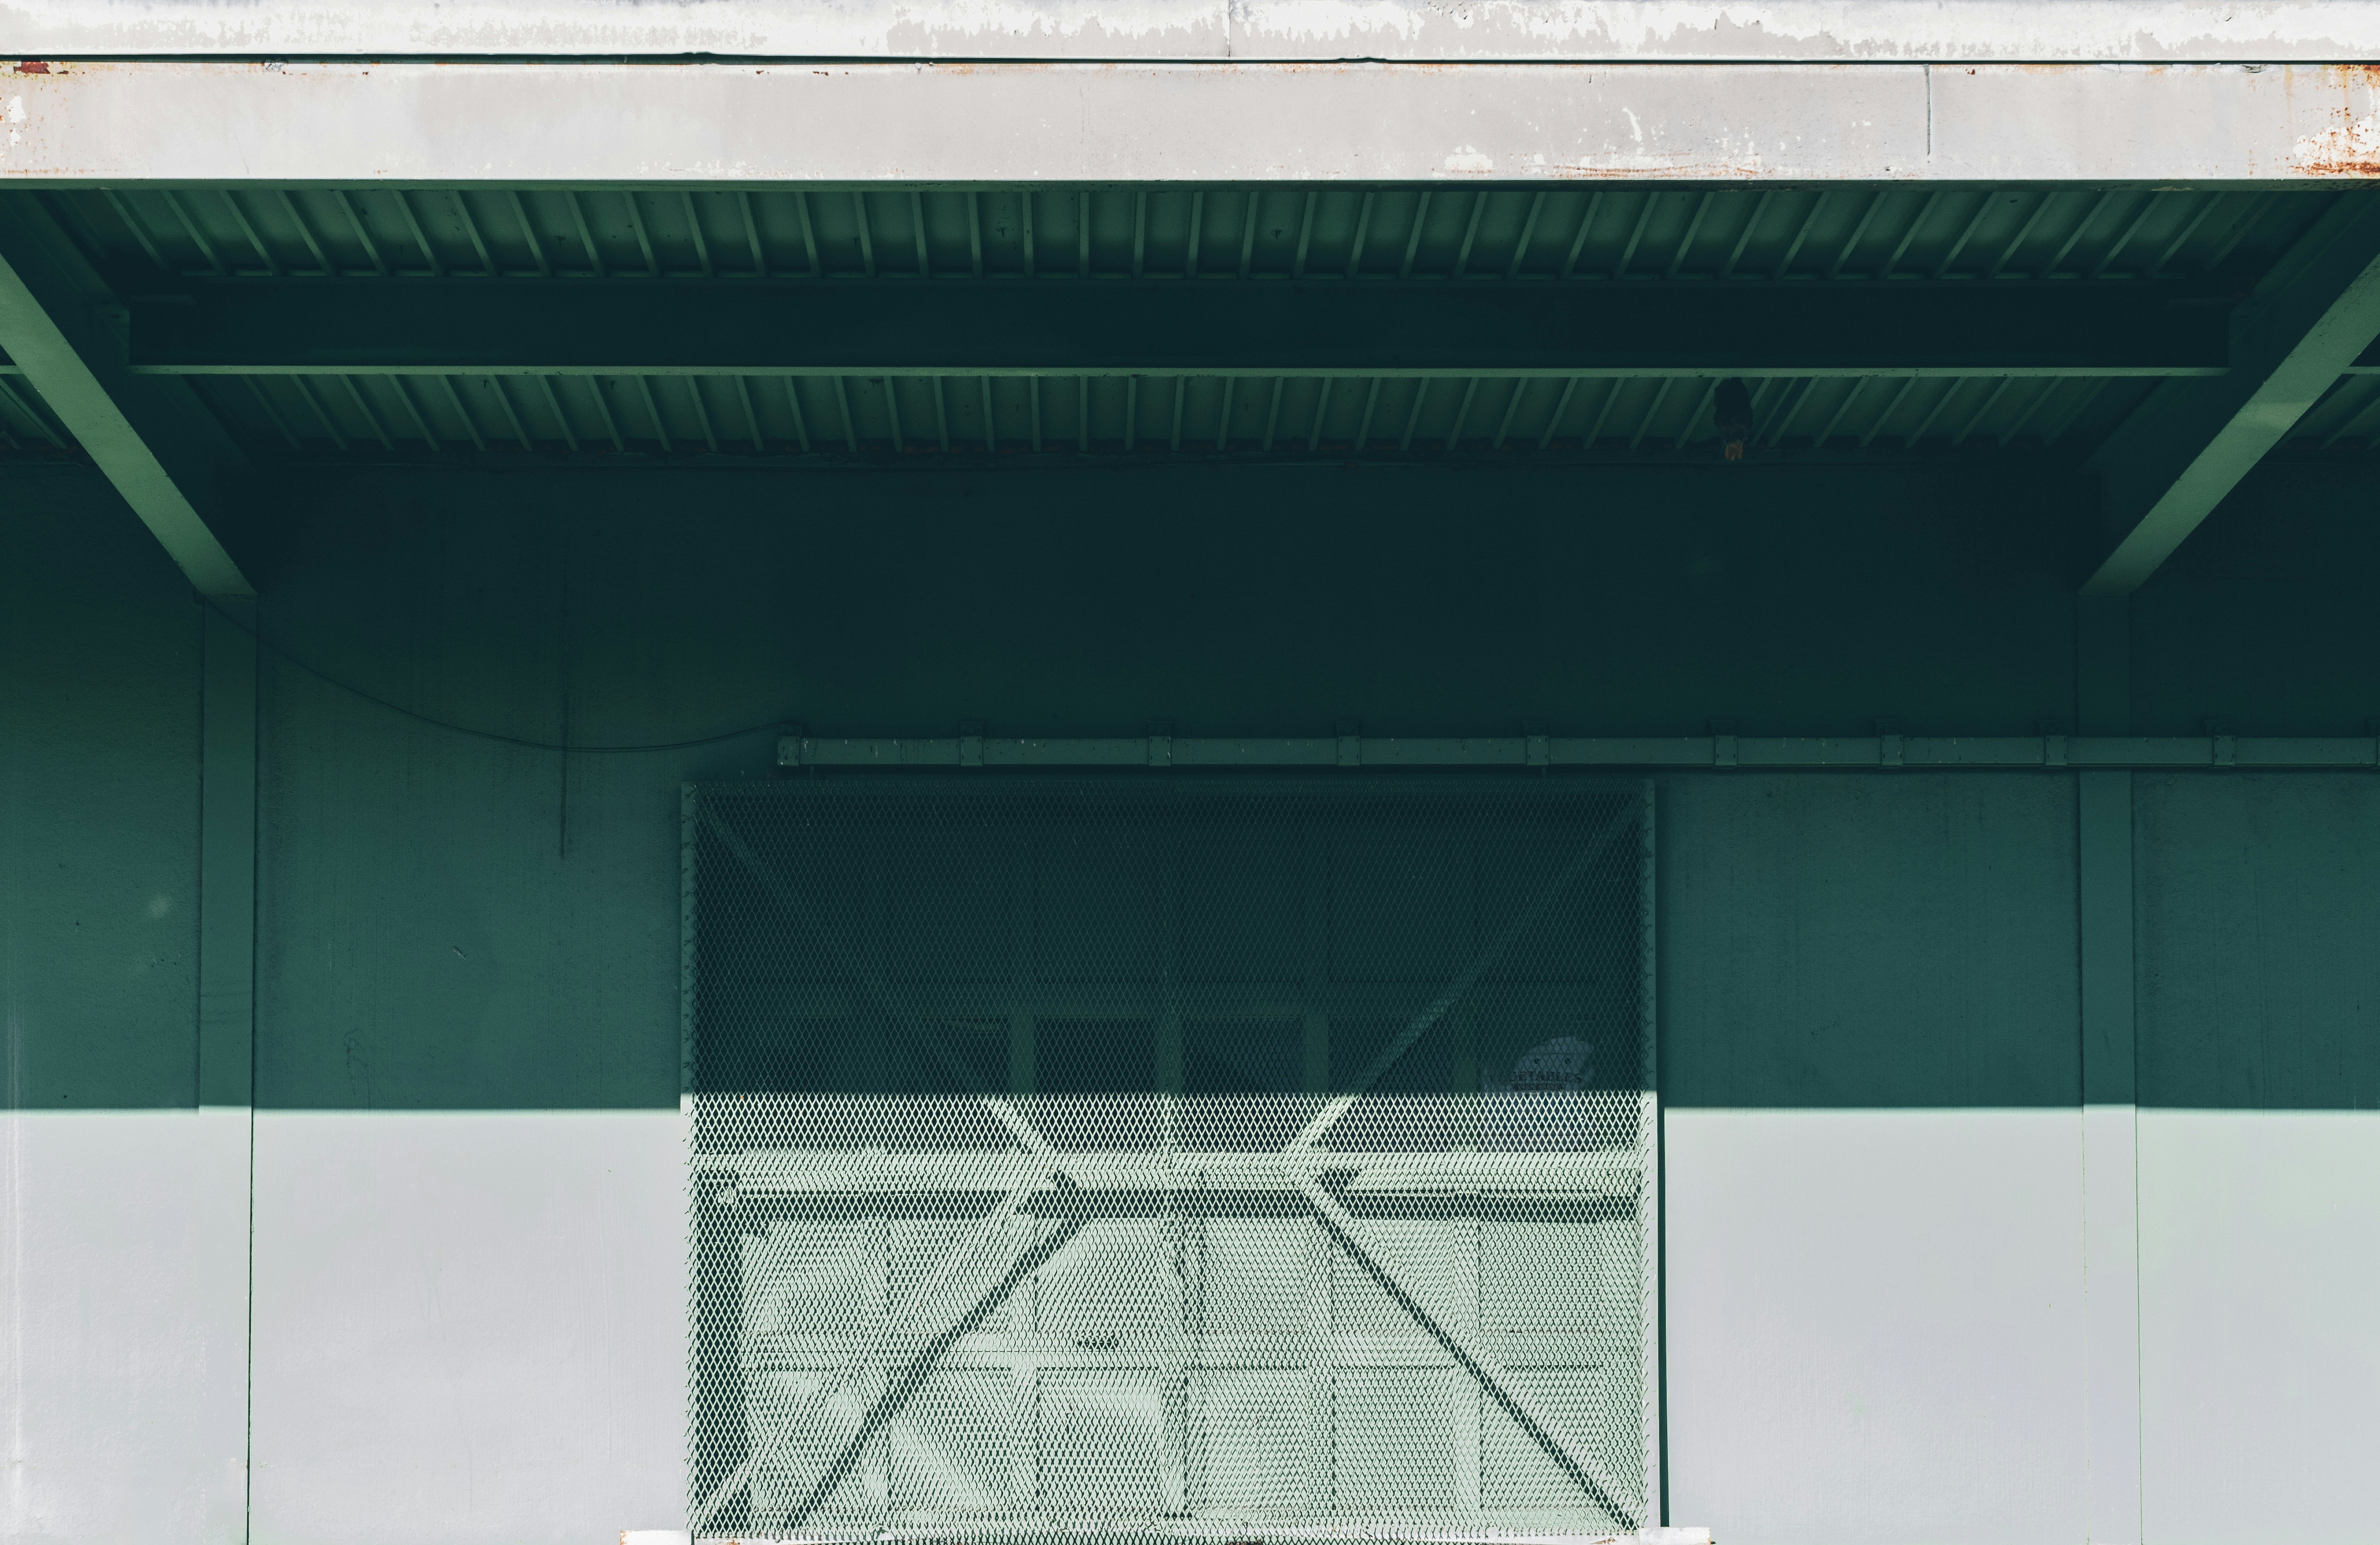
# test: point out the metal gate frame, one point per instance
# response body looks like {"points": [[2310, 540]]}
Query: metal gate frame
{"points": [[1067, 1187]]}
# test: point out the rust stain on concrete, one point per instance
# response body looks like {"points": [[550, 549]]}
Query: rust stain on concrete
{"points": [[2349, 144]]}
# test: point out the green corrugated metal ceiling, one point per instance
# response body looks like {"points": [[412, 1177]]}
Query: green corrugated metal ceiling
{"points": [[154, 239], [1246, 233]]}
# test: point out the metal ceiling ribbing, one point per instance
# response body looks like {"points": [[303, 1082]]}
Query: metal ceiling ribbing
{"points": [[1579, 233], [155, 237], [1197, 414]]}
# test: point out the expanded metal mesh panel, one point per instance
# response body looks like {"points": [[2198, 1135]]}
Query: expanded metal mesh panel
{"points": [[1165, 1155]]}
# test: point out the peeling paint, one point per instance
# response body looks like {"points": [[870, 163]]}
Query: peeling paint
{"points": [[2352, 149], [1778, 31], [2349, 145], [1911, 31]]}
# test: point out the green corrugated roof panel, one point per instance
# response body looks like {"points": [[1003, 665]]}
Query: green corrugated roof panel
{"points": [[1644, 417], [1585, 231], [1589, 234]]}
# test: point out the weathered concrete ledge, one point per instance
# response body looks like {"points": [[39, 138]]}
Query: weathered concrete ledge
{"points": [[1971, 32], [450, 124]]}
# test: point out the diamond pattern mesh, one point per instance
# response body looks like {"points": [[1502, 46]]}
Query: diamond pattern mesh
{"points": [[1164, 1155]]}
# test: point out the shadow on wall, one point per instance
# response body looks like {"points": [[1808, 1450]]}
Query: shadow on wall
{"points": [[450, 923]]}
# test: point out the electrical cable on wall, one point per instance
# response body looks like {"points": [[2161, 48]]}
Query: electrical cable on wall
{"points": [[523, 741]]}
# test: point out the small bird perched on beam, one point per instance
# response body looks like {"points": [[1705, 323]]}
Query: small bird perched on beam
{"points": [[1731, 416]]}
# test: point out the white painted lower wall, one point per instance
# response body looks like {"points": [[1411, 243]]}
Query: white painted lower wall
{"points": [[476, 1320], [123, 1325], [1874, 1325], [469, 1326], [2260, 1325]]}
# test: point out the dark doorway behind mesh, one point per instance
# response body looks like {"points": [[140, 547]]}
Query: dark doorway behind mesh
{"points": [[1171, 1155]]}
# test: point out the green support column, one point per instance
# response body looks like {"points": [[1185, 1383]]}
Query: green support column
{"points": [[227, 860], [226, 1059], [2110, 1204]]}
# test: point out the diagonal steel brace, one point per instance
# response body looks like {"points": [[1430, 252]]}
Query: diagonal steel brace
{"points": [[1456, 991], [1583, 1467]]}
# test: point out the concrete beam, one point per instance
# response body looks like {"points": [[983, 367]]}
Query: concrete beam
{"points": [[697, 124], [2186, 448], [1779, 31], [1309, 327], [153, 438]]}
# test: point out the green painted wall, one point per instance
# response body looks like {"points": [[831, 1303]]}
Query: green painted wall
{"points": [[2263, 618], [1863, 942], [2259, 954], [99, 803], [1264, 600], [487, 927], [1869, 983]]}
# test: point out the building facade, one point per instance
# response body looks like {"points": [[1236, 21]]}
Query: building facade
{"points": [[1908, 455]]}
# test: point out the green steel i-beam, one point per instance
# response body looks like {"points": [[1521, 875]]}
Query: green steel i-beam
{"points": [[2191, 441], [164, 453]]}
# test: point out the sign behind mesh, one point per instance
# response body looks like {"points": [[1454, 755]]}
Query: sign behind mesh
{"points": [[1169, 1155]]}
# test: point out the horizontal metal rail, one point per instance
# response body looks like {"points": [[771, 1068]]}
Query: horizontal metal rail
{"points": [[1291, 1348], [1229, 1532], [1843, 753], [948, 1173], [917, 1006]]}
